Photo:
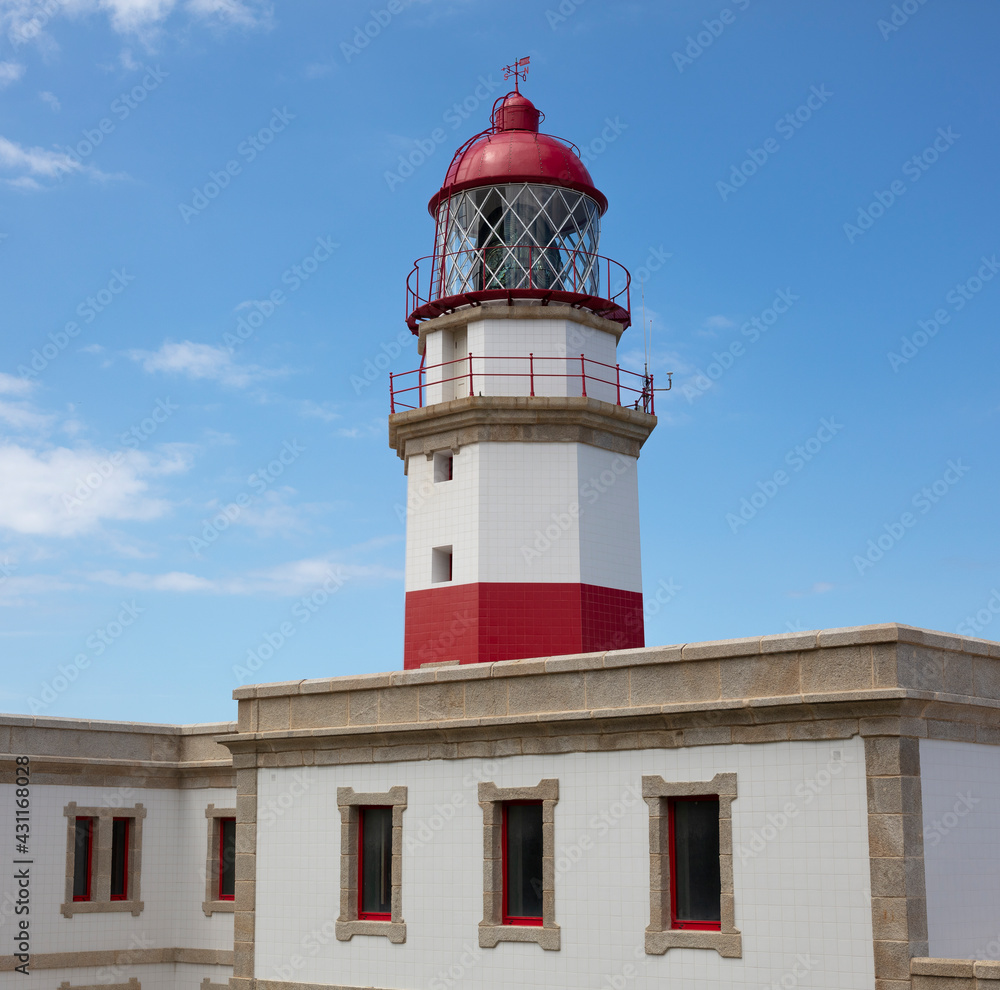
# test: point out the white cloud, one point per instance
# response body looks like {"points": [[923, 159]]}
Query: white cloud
{"points": [[819, 588], [10, 72], [12, 385], [67, 492], [300, 577], [26, 20], [718, 323], [318, 410], [200, 361], [51, 99], [32, 162]]}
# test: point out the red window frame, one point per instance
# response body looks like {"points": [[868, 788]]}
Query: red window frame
{"points": [[506, 917], [123, 896], [364, 915], [222, 853], [684, 924], [90, 856]]}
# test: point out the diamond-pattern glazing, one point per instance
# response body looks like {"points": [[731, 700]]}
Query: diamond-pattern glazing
{"points": [[518, 236]]}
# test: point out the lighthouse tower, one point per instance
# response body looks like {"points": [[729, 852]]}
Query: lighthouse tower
{"points": [[519, 431]]}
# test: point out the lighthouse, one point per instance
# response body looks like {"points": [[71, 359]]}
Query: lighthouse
{"points": [[520, 432]]}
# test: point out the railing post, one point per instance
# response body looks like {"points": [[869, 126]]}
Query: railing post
{"points": [[471, 392], [652, 397], [392, 396], [618, 384], [531, 371], [583, 374], [420, 386]]}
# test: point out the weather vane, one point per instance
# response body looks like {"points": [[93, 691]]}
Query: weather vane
{"points": [[519, 70]]}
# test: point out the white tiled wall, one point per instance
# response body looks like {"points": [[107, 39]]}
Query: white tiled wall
{"points": [[172, 884], [801, 880], [960, 784], [501, 349], [508, 516]]}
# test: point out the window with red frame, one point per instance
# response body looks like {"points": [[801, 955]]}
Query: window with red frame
{"points": [[83, 858], [120, 829], [695, 882], [521, 845], [227, 859], [375, 863]]}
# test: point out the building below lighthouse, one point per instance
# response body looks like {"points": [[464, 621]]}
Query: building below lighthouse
{"points": [[539, 800], [520, 432]]}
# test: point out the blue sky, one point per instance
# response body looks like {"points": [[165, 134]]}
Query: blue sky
{"points": [[206, 223]]}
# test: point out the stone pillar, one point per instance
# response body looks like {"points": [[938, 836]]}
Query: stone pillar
{"points": [[895, 837], [246, 871]]}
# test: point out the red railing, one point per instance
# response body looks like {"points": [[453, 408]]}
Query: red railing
{"points": [[509, 271], [636, 388]]}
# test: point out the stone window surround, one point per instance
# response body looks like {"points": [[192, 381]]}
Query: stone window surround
{"points": [[492, 930], [660, 937], [212, 902], [350, 803], [100, 901]]}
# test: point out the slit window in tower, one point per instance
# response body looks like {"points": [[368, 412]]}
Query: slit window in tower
{"points": [[83, 858], [441, 564], [120, 829], [227, 859], [375, 863], [444, 466], [521, 843], [695, 883]]}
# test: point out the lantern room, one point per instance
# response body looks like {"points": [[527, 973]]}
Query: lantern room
{"points": [[517, 218]]}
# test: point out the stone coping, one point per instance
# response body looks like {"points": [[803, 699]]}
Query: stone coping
{"points": [[723, 649], [155, 728]]}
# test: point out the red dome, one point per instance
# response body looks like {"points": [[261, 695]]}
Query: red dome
{"points": [[513, 150]]}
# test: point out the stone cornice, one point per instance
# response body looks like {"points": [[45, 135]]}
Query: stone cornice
{"points": [[834, 684], [527, 419]]}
